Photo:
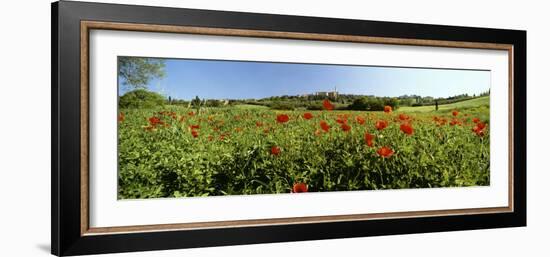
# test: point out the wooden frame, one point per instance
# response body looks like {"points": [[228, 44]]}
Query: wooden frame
{"points": [[71, 23]]}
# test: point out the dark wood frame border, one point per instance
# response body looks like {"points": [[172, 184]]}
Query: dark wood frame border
{"points": [[71, 23]]}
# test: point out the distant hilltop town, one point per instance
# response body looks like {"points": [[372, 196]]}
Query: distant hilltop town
{"points": [[330, 94], [313, 101]]}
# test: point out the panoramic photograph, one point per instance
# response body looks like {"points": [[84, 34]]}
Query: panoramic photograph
{"points": [[191, 127]]}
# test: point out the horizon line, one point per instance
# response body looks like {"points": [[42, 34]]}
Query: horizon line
{"points": [[312, 94]]}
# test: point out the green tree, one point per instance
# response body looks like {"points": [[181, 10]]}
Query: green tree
{"points": [[138, 71], [359, 104], [141, 98], [367, 104], [373, 103], [196, 102], [393, 102]]}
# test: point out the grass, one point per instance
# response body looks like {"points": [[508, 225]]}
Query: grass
{"points": [[249, 106], [174, 151], [477, 102]]}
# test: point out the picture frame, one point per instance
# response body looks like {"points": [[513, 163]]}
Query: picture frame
{"points": [[72, 23]]}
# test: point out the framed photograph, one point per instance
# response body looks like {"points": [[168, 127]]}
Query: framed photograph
{"points": [[178, 128]]}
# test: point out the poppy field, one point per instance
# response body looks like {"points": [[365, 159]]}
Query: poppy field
{"points": [[175, 151]]}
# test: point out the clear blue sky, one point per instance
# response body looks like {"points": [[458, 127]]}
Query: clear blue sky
{"points": [[213, 79]]}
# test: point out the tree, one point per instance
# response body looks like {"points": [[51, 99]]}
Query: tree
{"points": [[138, 71], [141, 98], [393, 102], [196, 102], [373, 103], [406, 101], [361, 104]]}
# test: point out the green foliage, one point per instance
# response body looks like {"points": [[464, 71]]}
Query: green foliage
{"points": [[213, 103], [373, 103], [231, 154], [196, 102], [472, 103], [280, 105], [138, 71], [141, 98]]}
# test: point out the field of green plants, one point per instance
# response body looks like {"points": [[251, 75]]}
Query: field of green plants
{"points": [[179, 152]]}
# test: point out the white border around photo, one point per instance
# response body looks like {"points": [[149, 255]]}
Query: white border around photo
{"points": [[107, 211]]}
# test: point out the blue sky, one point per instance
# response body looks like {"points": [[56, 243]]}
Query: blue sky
{"points": [[212, 79]]}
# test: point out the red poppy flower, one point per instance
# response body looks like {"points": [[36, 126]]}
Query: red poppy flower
{"points": [[475, 120], [328, 105], [191, 113], [368, 139], [325, 126], [385, 152], [479, 129], [195, 126], [381, 124], [345, 127], [282, 118], [171, 114], [407, 128], [121, 117], [194, 133], [275, 150], [403, 117], [299, 188], [455, 122], [481, 125], [167, 113], [360, 120], [341, 120], [259, 124], [455, 113], [308, 115], [387, 109], [154, 121]]}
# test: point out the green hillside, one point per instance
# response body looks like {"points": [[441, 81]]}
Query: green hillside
{"points": [[477, 102], [249, 106]]}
